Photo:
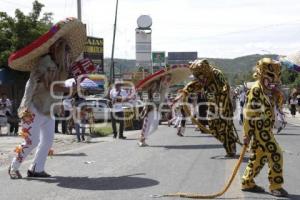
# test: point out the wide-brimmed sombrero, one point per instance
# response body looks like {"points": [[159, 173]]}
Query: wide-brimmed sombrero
{"points": [[178, 74], [71, 29], [291, 61]]}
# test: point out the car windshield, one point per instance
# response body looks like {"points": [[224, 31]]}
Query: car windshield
{"points": [[102, 103]]}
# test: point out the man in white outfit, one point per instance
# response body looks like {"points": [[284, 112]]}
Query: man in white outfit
{"points": [[36, 110], [118, 97]]}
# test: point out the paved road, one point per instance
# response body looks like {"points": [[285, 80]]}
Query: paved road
{"points": [[120, 170]]}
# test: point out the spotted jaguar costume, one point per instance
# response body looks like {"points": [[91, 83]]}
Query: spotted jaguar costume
{"points": [[258, 123], [217, 90]]}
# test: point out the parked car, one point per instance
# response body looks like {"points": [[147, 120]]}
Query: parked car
{"points": [[101, 109]]}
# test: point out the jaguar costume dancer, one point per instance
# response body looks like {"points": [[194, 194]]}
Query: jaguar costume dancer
{"points": [[48, 59], [258, 123], [217, 91]]}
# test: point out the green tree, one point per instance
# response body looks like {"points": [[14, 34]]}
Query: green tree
{"points": [[17, 32], [241, 78], [288, 77]]}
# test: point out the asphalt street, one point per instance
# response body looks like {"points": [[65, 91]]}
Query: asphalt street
{"points": [[120, 170]]}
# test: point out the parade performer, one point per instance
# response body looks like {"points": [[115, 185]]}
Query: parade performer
{"points": [[280, 121], [158, 83], [48, 58], [217, 91], [258, 123], [150, 115]]}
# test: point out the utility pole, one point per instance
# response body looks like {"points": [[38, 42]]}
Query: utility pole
{"points": [[112, 68], [79, 9]]}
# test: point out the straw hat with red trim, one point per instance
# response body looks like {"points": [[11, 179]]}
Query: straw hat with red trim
{"points": [[178, 74], [71, 29]]}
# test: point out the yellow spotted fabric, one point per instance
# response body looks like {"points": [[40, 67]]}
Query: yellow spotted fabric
{"points": [[268, 68], [258, 123], [217, 91]]}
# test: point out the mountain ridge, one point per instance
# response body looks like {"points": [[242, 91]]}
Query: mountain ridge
{"points": [[239, 67]]}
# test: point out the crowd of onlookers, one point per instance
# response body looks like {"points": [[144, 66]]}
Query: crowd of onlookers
{"points": [[74, 115]]}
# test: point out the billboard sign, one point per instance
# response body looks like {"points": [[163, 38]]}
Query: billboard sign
{"points": [[143, 48], [158, 57], [181, 57], [94, 51], [158, 60]]}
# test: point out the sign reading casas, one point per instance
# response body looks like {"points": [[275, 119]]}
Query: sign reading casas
{"points": [[94, 51]]}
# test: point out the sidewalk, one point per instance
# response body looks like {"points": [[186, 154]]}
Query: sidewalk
{"points": [[292, 120]]}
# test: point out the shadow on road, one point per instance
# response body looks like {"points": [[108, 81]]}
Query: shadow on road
{"points": [[290, 197], [287, 134], [293, 196], [70, 154], [199, 136], [198, 146], [100, 183], [245, 159]]}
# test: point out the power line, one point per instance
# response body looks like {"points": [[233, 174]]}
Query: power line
{"points": [[246, 31]]}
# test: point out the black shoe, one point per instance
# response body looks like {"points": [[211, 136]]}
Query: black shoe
{"points": [[179, 134], [122, 137], [42, 174], [114, 136], [255, 189], [279, 192]]}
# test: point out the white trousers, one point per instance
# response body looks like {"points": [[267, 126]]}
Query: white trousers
{"points": [[38, 131], [151, 122]]}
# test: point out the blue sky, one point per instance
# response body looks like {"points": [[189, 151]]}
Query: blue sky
{"points": [[214, 28]]}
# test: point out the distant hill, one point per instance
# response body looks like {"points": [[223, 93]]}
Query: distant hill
{"points": [[239, 64], [232, 68]]}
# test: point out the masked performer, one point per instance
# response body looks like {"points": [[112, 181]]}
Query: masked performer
{"points": [[157, 85], [217, 91], [258, 123], [151, 115], [48, 58]]}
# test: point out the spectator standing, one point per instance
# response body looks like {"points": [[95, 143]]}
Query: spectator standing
{"points": [[5, 110], [68, 107], [13, 121], [242, 102], [57, 116], [293, 102], [80, 123], [5, 103], [181, 125], [118, 96]]}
